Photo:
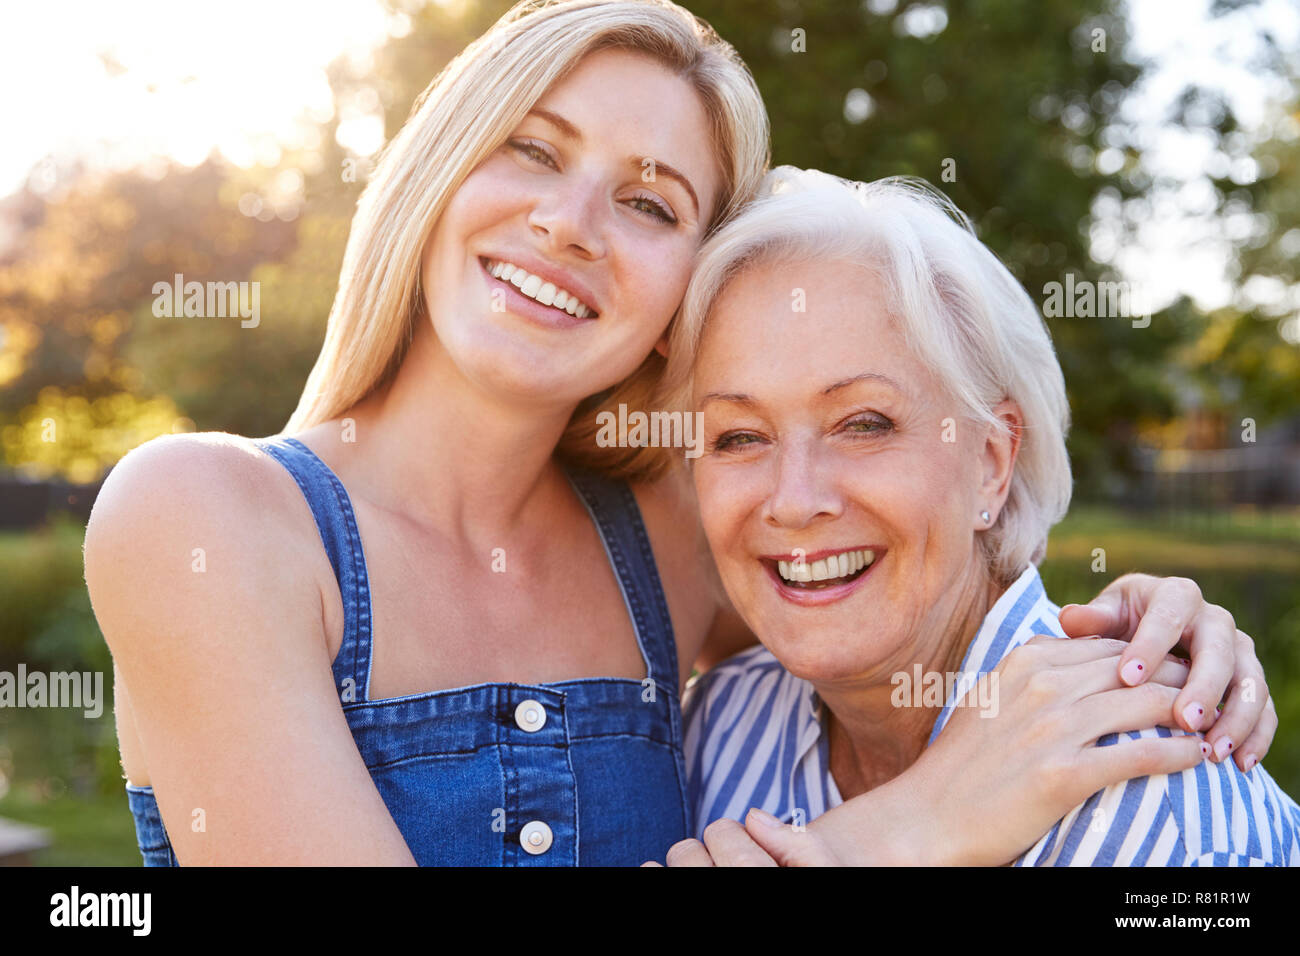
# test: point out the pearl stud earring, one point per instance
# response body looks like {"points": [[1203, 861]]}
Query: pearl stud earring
{"points": [[984, 515]]}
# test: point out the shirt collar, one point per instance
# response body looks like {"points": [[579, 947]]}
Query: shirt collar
{"points": [[1007, 624]]}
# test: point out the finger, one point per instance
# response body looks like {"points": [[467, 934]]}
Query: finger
{"points": [[1249, 754], [1100, 767], [1061, 653], [688, 853], [1214, 661], [1166, 614], [730, 845], [652, 863], [1244, 707], [1110, 613], [1098, 618], [786, 845], [1125, 709], [1057, 652], [1100, 675]]}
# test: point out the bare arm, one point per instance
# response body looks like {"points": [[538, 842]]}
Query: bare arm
{"points": [[198, 570]]}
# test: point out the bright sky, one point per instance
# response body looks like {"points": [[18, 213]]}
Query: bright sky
{"points": [[118, 83], [1175, 250]]}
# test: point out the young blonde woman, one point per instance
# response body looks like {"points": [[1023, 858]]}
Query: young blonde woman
{"points": [[494, 678]]}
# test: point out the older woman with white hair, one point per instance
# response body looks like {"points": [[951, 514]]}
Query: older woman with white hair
{"points": [[884, 421]]}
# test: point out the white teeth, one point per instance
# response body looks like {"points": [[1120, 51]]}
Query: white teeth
{"points": [[535, 287], [836, 566]]}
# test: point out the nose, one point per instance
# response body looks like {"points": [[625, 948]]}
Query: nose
{"points": [[567, 220], [803, 493]]}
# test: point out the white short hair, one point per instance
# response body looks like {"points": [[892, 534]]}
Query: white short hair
{"points": [[956, 304]]}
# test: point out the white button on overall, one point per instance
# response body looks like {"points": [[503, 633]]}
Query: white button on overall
{"points": [[530, 716], [535, 837]]}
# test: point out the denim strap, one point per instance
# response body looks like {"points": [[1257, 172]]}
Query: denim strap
{"points": [[614, 510], [337, 523]]}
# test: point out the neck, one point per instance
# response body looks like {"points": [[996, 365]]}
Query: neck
{"points": [[440, 449], [871, 739]]}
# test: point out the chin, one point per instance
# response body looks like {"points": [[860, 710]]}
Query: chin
{"points": [[825, 655], [505, 365]]}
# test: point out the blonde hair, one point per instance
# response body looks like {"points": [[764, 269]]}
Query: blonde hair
{"points": [[956, 304], [468, 110]]}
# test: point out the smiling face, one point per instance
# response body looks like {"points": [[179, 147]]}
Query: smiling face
{"points": [[825, 436], [602, 193]]}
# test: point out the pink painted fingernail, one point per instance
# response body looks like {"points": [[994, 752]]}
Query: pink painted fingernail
{"points": [[1222, 748], [1205, 749], [1193, 714], [1132, 672], [1250, 763]]}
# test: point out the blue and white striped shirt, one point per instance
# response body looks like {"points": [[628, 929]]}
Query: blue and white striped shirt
{"points": [[754, 738]]}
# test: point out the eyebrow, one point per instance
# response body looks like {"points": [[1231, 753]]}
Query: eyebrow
{"points": [[571, 131], [864, 377], [739, 398], [733, 398]]}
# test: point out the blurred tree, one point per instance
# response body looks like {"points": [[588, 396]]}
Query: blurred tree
{"points": [[247, 380], [1248, 356], [90, 259], [78, 439], [1011, 107]]}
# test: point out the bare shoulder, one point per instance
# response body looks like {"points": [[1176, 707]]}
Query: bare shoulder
{"points": [[185, 505], [181, 469]]}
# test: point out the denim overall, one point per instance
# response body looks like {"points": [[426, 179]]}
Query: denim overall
{"points": [[581, 772]]}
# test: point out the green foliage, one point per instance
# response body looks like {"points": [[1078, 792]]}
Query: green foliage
{"points": [[59, 769], [247, 380], [44, 611], [93, 254], [80, 439]]}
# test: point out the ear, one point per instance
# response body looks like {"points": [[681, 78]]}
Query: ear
{"points": [[998, 458]]}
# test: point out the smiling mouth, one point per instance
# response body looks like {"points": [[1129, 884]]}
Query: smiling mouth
{"points": [[827, 572], [538, 289]]}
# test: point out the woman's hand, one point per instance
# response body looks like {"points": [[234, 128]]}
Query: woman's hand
{"points": [[1158, 614], [987, 789]]}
